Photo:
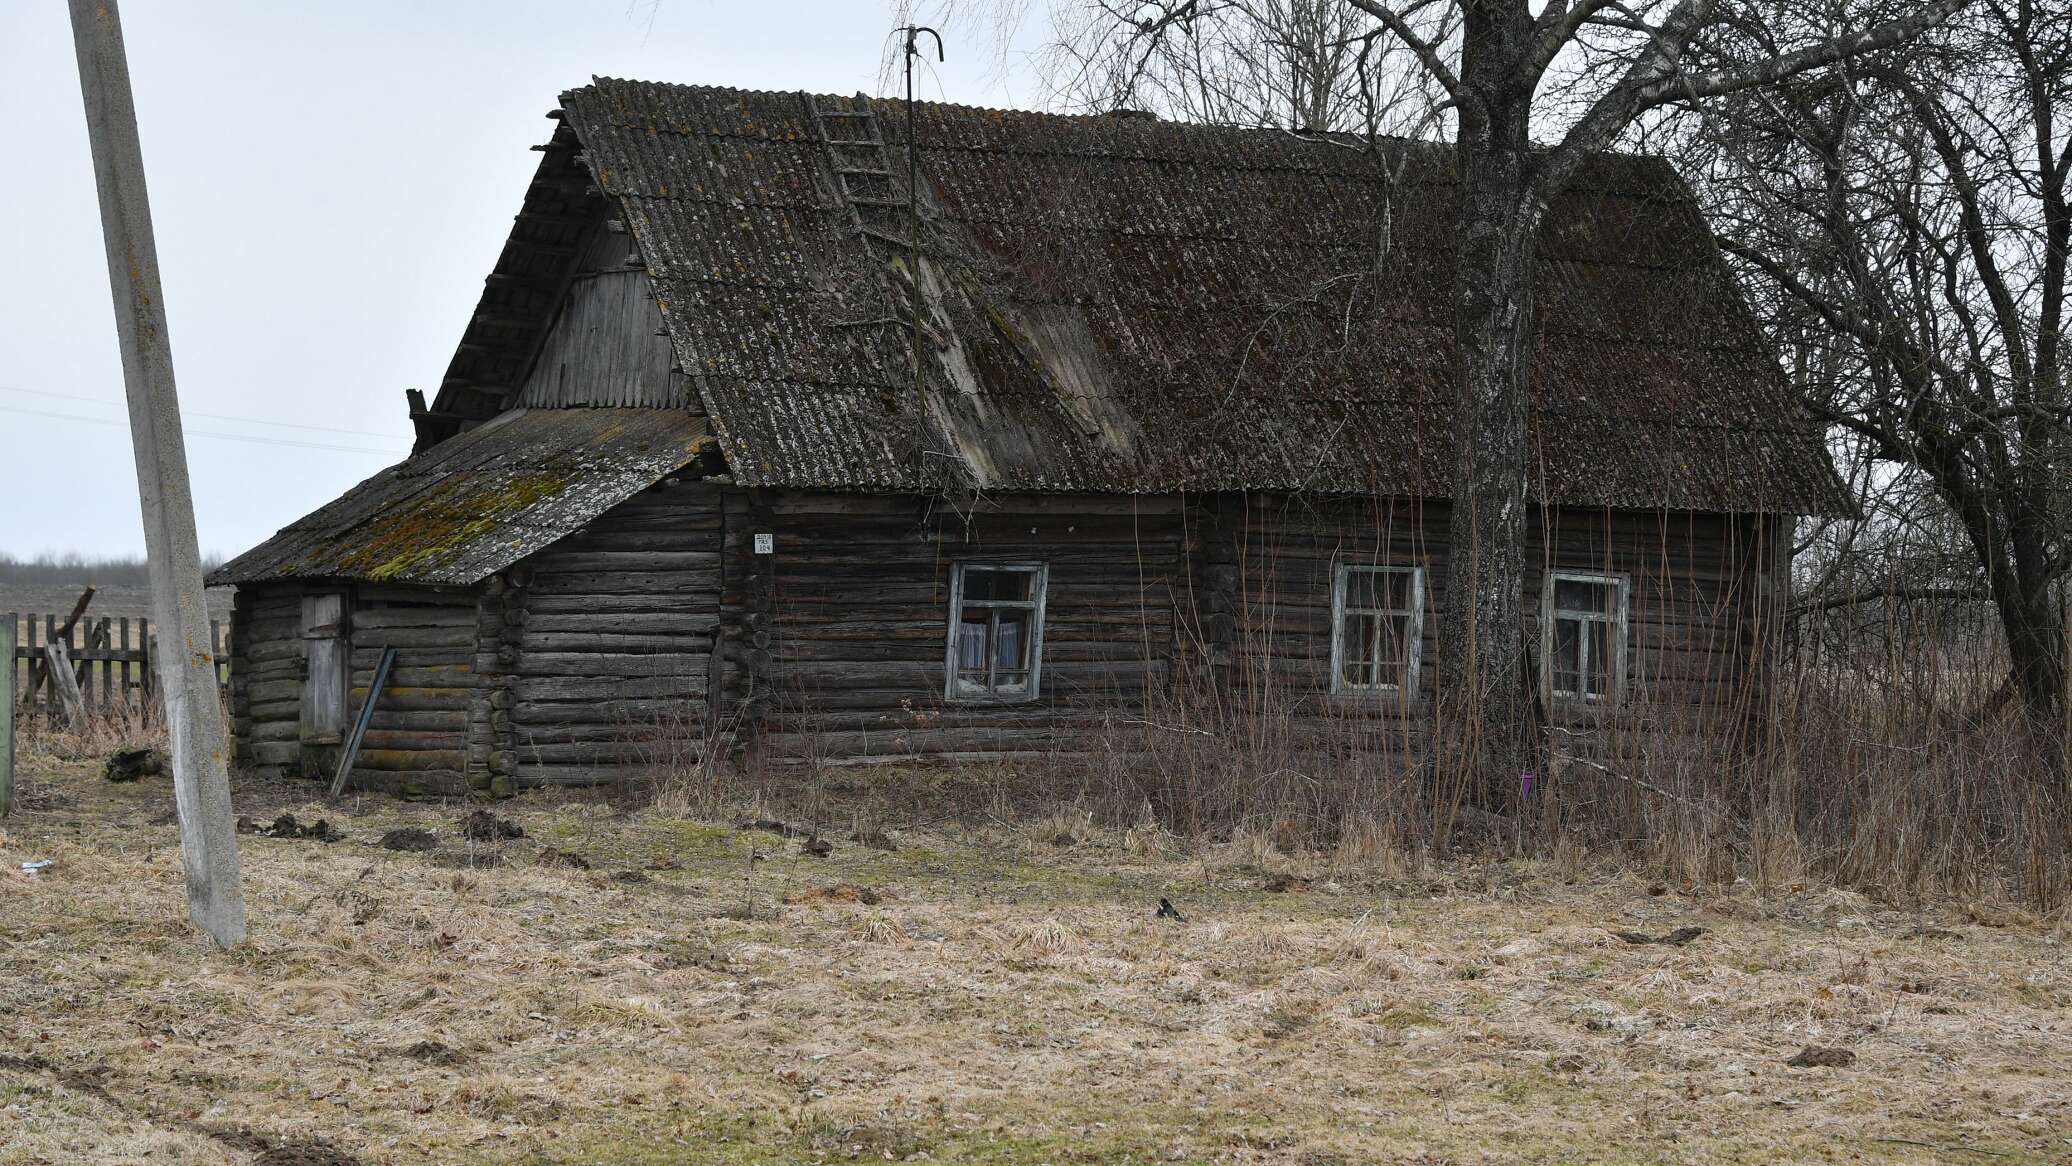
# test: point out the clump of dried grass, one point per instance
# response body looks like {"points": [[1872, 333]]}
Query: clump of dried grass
{"points": [[1051, 936], [878, 927], [107, 729]]}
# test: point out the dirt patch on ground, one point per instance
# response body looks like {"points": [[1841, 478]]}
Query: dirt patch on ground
{"points": [[286, 1152], [845, 893], [287, 826], [1004, 1001], [410, 838], [431, 1052], [483, 826]]}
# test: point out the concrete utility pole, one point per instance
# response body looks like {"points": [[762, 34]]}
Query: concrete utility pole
{"points": [[185, 660]]}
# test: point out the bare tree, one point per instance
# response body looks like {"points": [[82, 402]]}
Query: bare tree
{"points": [[1310, 66], [1576, 75], [1911, 217]]}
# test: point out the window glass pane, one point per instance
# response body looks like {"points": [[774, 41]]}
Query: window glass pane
{"points": [[1584, 595], [1393, 654], [971, 641], [1362, 588], [1599, 677], [1382, 587], [1011, 647], [1009, 681], [988, 584], [1398, 590], [1355, 647], [1567, 662]]}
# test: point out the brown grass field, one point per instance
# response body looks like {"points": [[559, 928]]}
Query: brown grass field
{"points": [[114, 602], [1009, 997]]}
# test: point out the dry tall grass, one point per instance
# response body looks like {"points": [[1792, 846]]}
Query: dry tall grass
{"points": [[1896, 768]]}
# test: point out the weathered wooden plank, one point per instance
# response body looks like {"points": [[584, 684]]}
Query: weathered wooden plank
{"points": [[8, 636], [411, 760], [268, 690], [625, 582], [565, 687], [413, 593], [402, 697], [531, 775], [64, 683], [560, 561], [670, 602], [675, 535], [532, 640], [455, 636], [547, 664], [409, 675], [388, 718], [450, 659], [274, 753], [687, 623]]}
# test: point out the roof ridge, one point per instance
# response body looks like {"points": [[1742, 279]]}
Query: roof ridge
{"points": [[599, 82]]}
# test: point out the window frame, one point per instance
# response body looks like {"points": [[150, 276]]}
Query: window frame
{"points": [[1413, 634], [1619, 619], [954, 689]]}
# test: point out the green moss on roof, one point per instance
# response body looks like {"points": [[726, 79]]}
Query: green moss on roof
{"points": [[478, 502]]}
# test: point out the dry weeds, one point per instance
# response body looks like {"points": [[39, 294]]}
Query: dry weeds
{"points": [[1010, 998]]}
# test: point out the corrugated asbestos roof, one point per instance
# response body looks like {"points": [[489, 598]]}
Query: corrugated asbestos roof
{"points": [[1129, 305], [476, 503]]}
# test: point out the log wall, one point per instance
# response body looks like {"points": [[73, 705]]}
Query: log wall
{"points": [[267, 665], [1701, 590], [834, 644], [417, 741], [597, 651], [658, 633]]}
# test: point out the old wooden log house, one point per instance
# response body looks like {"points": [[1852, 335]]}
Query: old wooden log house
{"points": [[1182, 412]]}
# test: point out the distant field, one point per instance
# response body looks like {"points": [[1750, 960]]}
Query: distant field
{"points": [[116, 601]]}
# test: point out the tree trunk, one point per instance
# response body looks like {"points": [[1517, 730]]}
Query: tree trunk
{"points": [[1485, 704], [2035, 633]]}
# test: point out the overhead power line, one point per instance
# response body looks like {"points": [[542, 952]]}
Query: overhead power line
{"points": [[198, 413], [245, 437]]}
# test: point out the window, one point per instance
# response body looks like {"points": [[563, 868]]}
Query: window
{"points": [[328, 655], [996, 631], [1377, 626], [1583, 636]]}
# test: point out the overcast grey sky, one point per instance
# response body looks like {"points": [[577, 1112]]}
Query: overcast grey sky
{"points": [[330, 182]]}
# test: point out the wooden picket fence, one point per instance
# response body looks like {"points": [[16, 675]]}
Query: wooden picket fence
{"points": [[111, 659]]}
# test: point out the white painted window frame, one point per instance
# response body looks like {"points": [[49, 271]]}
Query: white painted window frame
{"points": [[1413, 629], [1620, 619], [954, 688]]}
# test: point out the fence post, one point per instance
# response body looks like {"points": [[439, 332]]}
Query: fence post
{"points": [[6, 714]]}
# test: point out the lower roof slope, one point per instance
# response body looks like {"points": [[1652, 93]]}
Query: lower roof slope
{"points": [[476, 503], [1130, 305]]}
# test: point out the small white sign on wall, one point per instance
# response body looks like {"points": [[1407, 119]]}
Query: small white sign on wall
{"points": [[766, 544]]}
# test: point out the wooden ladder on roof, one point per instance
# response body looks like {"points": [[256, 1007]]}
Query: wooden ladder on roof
{"points": [[864, 177]]}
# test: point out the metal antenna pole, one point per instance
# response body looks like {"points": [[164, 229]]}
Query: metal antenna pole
{"points": [[913, 36], [185, 661]]}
